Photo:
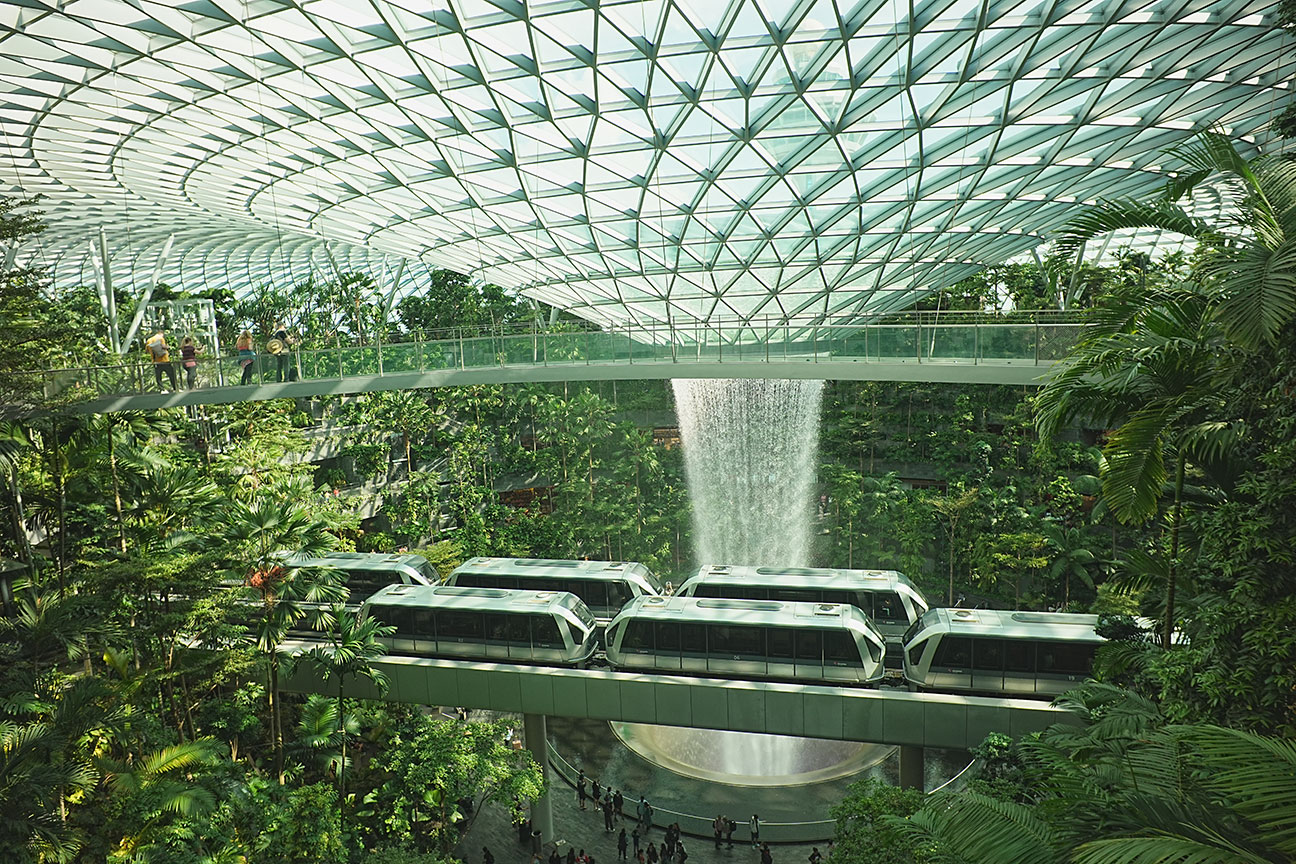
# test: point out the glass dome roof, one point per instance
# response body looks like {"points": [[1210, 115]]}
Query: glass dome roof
{"points": [[631, 160]]}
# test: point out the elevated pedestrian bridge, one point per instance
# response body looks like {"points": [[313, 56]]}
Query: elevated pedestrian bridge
{"points": [[952, 348]]}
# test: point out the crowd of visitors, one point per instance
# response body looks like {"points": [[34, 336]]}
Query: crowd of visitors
{"points": [[279, 346]]}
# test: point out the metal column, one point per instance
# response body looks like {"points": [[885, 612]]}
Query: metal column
{"points": [[537, 742], [911, 766]]}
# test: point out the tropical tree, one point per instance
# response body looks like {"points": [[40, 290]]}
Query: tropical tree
{"points": [[952, 507], [256, 539], [1126, 789], [1072, 557], [352, 647]]}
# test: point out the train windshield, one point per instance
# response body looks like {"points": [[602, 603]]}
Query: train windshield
{"points": [[582, 613], [428, 572], [912, 631]]}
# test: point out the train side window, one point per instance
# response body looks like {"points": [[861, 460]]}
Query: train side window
{"points": [[887, 607], [533, 583], [840, 649], [809, 646], [470, 580], [693, 638], [755, 592], [987, 655], [517, 629], [459, 625], [638, 637], [668, 637], [618, 594], [389, 615], [953, 651], [916, 652], [424, 624], [863, 600], [1019, 656], [364, 584], [842, 597], [747, 641], [1065, 658], [708, 590], [780, 644], [496, 627], [593, 593], [794, 595], [718, 638], [544, 633]]}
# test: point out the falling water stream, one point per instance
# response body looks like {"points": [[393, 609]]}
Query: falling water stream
{"points": [[749, 451]]}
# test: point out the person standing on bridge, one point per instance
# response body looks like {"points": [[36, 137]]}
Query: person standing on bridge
{"points": [[157, 347], [246, 356], [645, 813], [189, 360]]}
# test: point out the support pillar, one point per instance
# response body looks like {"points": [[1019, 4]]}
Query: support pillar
{"points": [[911, 767], [537, 741]]}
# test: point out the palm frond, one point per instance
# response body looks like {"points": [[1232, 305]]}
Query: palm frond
{"points": [[1122, 214], [984, 830], [1158, 850]]}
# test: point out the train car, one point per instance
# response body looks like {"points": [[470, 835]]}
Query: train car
{"points": [[545, 627], [999, 652], [605, 586], [888, 598], [367, 572], [826, 642]]}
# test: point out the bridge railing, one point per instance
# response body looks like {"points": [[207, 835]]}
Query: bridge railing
{"points": [[949, 338]]}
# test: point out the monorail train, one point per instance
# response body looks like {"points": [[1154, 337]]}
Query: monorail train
{"points": [[888, 598], [547, 627], [746, 638], [366, 572], [605, 586], [998, 652]]}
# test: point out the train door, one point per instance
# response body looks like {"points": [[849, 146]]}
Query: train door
{"points": [[1062, 666], [951, 666], [1019, 667], [809, 653], [460, 633], [735, 649], [842, 660], [517, 637], [780, 649], [987, 665], [424, 627], [693, 647], [496, 640], [636, 648], [666, 644]]}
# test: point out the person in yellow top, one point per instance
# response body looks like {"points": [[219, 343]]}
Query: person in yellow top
{"points": [[157, 347]]}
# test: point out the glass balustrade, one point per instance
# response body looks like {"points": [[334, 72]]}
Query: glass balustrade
{"points": [[944, 339]]}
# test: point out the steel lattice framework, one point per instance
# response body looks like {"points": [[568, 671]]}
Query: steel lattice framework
{"points": [[632, 160]]}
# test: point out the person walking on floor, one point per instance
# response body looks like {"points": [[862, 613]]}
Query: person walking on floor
{"points": [[645, 813], [815, 856], [622, 844], [571, 855], [717, 829], [766, 857], [681, 854], [607, 814], [487, 857], [754, 824], [635, 837], [598, 793], [667, 855], [652, 854], [730, 825], [618, 803], [580, 790]]}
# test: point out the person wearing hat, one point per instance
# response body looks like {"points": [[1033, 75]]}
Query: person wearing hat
{"points": [[278, 346]]}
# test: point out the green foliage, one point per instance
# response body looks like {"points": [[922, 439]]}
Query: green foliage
{"points": [[864, 833], [429, 766], [283, 825]]}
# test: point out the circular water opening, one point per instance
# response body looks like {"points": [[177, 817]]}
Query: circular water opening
{"points": [[746, 758]]}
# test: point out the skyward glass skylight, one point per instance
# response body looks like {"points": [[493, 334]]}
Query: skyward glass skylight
{"points": [[632, 160]]}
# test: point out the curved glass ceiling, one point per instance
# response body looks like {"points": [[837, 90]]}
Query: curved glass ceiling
{"points": [[645, 160]]}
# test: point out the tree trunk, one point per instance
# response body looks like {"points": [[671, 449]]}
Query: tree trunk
{"points": [[112, 463], [1172, 571], [276, 731]]}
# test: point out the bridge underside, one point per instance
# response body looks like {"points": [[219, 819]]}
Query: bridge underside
{"points": [[1017, 373], [884, 716]]}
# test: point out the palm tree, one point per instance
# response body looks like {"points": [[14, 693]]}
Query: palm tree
{"points": [[257, 537], [1071, 556], [353, 646], [162, 783], [32, 788], [1126, 789]]}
